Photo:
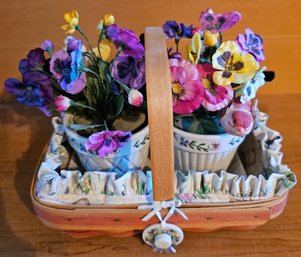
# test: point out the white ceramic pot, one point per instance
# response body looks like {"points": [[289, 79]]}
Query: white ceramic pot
{"points": [[132, 156], [204, 152]]}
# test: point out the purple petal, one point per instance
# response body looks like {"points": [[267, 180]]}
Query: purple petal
{"points": [[36, 57], [14, 86]]}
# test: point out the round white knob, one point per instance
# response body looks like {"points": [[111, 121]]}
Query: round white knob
{"points": [[163, 241]]}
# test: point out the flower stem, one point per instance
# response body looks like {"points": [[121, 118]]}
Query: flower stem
{"points": [[86, 38], [116, 55], [82, 105], [220, 38], [106, 125], [125, 87], [92, 72], [177, 44], [205, 61]]}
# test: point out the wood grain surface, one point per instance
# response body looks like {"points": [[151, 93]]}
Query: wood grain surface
{"points": [[23, 135], [26, 24], [160, 115], [24, 131]]}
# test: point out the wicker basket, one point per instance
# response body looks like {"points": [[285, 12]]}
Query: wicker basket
{"points": [[126, 220]]}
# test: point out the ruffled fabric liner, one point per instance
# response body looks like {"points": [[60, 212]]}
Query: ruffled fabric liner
{"points": [[70, 186]]}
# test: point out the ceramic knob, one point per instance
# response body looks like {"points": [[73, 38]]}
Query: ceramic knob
{"points": [[163, 237], [163, 241]]}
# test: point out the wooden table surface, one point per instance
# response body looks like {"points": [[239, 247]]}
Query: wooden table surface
{"points": [[23, 134]]}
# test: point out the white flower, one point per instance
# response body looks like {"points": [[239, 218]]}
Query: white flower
{"points": [[250, 87]]}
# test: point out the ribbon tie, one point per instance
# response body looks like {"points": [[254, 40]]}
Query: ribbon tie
{"points": [[157, 206]]}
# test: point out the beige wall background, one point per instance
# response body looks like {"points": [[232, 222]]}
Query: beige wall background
{"points": [[25, 24]]}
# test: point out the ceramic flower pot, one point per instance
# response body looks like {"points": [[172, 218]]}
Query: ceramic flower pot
{"points": [[204, 152], [131, 156]]}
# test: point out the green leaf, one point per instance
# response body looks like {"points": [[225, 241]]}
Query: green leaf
{"points": [[116, 107], [78, 127]]}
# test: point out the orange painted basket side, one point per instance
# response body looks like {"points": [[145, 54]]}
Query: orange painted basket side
{"points": [[125, 220]]}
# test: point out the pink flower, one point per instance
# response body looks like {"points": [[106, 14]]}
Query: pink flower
{"points": [[238, 119], [135, 98], [62, 103], [187, 89], [216, 97], [106, 142]]}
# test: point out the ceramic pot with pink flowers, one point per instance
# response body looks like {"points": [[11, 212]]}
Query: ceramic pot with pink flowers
{"points": [[212, 88]]}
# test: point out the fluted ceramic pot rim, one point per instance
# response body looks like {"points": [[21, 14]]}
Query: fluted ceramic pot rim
{"points": [[205, 143], [137, 141]]}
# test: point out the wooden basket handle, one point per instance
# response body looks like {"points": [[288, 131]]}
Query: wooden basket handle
{"points": [[160, 114]]}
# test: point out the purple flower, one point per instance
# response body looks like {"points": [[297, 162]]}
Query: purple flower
{"points": [[47, 46], [113, 31], [35, 89], [125, 39], [66, 67], [73, 44], [106, 142], [174, 55], [173, 30], [218, 22], [129, 70], [251, 43], [35, 61]]}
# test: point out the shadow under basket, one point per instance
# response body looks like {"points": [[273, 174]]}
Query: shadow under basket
{"points": [[165, 204]]}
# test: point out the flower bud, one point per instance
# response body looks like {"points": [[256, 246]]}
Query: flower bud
{"points": [[210, 39], [195, 30], [109, 19], [62, 103], [135, 98], [238, 119]]}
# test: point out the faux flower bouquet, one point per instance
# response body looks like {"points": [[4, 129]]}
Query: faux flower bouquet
{"points": [[213, 87], [98, 85]]}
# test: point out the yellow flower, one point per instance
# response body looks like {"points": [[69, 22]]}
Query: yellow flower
{"points": [[194, 50], [105, 48], [72, 18], [109, 19], [234, 65], [210, 39]]}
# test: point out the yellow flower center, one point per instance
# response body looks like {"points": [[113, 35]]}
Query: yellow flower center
{"points": [[206, 83], [177, 88]]}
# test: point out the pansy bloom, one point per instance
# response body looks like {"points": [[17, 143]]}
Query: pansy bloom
{"points": [[35, 89], [129, 70], [125, 39], [251, 43], [107, 142], [187, 89], [66, 66], [72, 18], [250, 88], [35, 61], [233, 65], [172, 29], [218, 22], [216, 97]]}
